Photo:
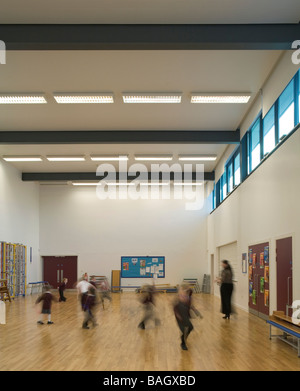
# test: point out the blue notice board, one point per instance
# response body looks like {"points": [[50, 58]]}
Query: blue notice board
{"points": [[142, 267]]}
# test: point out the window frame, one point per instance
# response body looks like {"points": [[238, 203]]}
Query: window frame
{"points": [[245, 146]]}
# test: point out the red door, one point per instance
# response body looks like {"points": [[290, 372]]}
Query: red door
{"points": [[284, 260], [58, 268], [259, 279]]}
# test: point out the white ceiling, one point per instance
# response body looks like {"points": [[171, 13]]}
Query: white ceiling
{"points": [[94, 149], [133, 71], [130, 71]]}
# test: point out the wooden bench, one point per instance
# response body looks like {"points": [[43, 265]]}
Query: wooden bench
{"points": [[163, 288], [285, 324]]}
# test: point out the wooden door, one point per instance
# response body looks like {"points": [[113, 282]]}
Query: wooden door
{"points": [[57, 268], [259, 292], [284, 260]]}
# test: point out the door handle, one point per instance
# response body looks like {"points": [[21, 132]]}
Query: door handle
{"points": [[62, 275], [57, 276]]}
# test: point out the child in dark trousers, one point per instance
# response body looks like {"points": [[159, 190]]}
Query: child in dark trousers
{"points": [[61, 289], [147, 300], [46, 298], [88, 305], [182, 308]]}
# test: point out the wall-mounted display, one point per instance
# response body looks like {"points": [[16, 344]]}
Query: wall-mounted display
{"points": [[143, 267]]}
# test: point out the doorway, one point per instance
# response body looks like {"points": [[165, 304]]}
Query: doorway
{"points": [[284, 261], [56, 268]]}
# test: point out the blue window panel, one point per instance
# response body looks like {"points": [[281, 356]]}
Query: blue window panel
{"points": [[230, 177], [223, 187], [213, 200], [255, 144], [237, 170], [218, 193], [286, 109], [244, 157], [269, 131]]}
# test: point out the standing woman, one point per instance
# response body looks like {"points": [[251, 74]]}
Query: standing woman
{"points": [[226, 288]]}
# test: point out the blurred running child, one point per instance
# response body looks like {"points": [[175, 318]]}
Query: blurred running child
{"points": [[104, 291], [182, 308], [147, 300], [46, 298], [82, 289], [88, 305], [61, 289]]}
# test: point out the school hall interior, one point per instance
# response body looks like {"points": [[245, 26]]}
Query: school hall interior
{"points": [[145, 142]]}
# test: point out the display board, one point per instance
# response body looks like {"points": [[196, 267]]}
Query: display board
{"points": [[143, 267]]}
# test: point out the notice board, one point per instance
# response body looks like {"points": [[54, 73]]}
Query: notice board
{"points": [[143, 267]]}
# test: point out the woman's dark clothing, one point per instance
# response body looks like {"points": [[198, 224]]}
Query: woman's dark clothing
{"points": [[226, 291]]}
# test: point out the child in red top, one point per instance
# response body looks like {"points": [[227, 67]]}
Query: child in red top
{"points": [[46, 298]]}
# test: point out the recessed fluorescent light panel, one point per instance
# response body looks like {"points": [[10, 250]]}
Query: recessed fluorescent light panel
{"points": [[107, 158], [22, 99], [220, 98], [85, 183], [154, 184], [197, 157], [22, 158], [153, 157], [135, 97], [65, 158], [83, 97], [187, 183]]}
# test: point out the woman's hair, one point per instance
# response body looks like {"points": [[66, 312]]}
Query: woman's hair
{"points": [[228, 266]]}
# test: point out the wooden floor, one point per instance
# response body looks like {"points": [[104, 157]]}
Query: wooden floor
{"points": [[116, 344]]}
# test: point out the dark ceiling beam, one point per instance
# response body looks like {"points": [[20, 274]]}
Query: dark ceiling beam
{"points": [[90, 176], [121, 137], [149, 36]]}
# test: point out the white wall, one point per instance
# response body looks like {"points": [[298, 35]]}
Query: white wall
{"points": [[19, 215], [263, 208], [73, 221]]}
